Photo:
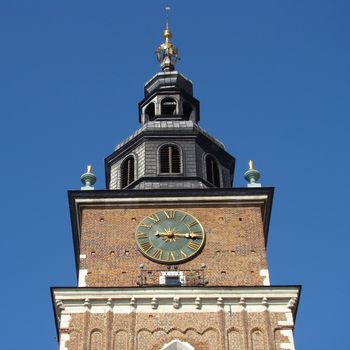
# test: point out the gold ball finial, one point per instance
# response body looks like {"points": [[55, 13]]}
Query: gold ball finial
{"points": [[167, 54], [167, 33]]}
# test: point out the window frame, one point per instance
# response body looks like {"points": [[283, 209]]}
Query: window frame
{"points": [[215, 162], [122, 164], [172, 99], [159, 163]]}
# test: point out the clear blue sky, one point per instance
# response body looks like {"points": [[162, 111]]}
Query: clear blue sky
{"points": [[273, 79]]}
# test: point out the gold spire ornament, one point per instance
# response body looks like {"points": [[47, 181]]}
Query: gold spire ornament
{"points": [[252, 175], [167, 54], [251, 165]]}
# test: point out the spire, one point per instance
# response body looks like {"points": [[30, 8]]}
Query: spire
{"points": [[167, 53]]}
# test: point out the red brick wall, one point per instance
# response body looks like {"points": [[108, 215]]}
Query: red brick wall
{"points": [[234, 251], [151, 331]]}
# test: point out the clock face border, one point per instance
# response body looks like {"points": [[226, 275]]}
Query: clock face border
{"points": [[189, 249]]}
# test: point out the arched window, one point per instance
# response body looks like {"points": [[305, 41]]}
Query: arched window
{"points": [[177, 345], [127, 171], [150, 111], [169, 160], [212, 171], [168, 106]]}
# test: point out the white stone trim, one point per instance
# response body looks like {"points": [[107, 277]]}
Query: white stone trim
{"points": [[82, 256], [82, 277], [264, 273], [175, 200], [290, 345], [65, 320], [63, 339], [175, 299], [289, 322]]}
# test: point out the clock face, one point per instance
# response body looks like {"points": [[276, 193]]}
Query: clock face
{"points": [[170, 236]]}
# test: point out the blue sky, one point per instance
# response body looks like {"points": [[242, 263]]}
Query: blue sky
{"points": [[273, 79]]}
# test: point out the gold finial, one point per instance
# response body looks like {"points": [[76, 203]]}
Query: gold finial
{"points": [[167, 53], [89, 168], [251, 165], [167, 33]]}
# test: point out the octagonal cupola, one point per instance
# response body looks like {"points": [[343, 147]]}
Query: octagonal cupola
{"points": [[169, 150], [168, 95]]}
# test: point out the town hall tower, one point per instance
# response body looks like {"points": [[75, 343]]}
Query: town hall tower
{"points": [[170, 255]]}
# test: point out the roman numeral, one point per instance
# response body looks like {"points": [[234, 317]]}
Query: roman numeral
{"points": [[157, 254], [146, 246], [171, 256], [141, 235], [169, 214], [144, 225], [192, 224], [183, 218], [183, 254], [154, 218], [198, 233], [193, 245]]}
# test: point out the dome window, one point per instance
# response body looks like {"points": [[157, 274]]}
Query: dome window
{"points": [[169, 160], [150, 111], [127, 171], [168, 107]]}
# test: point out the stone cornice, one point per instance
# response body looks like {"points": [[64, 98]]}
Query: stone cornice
{"points": [[176, 299]]}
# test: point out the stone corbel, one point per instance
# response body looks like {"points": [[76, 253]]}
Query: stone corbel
{"points": [[154, 303], [87, 304], [176, 302]]}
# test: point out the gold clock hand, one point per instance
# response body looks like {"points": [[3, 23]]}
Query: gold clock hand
{"points": [[164, 234], [187, 235]]}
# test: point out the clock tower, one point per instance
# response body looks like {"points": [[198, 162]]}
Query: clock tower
{"points": [[170, 255]]}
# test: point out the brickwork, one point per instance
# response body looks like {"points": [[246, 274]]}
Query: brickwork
{"points": [[151, 331], [234, 252]]}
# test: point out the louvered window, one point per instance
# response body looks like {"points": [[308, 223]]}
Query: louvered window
{"points": [[169, 159], [212, 171], [127, 171]]}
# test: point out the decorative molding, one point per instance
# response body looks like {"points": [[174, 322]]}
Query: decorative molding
{"points": [[169, 300], [154, 303], [198, 303], [176, 303]]}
